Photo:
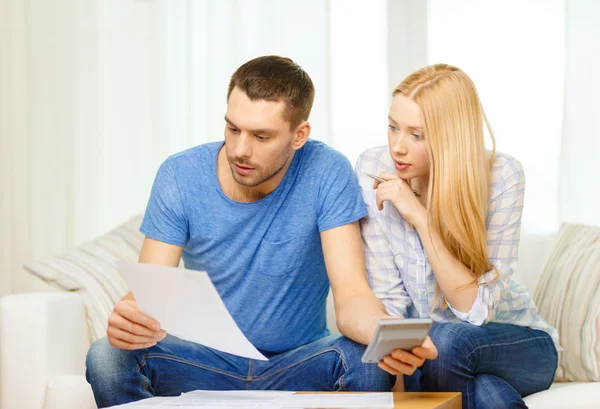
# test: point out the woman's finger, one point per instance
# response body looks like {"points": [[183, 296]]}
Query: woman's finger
{"points": [[427, 350], [379, 201], [407, 357], [388, 176], [399, 366], [387, 368]]}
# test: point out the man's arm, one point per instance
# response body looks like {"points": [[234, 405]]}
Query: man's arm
{"points": [[357, 308], [128, 326], [159, 253]]}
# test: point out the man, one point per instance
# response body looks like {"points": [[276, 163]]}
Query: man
{"points": [[273, 218]]}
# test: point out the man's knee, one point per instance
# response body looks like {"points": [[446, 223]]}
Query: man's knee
{"points": [[361, 377], [104, 363]]}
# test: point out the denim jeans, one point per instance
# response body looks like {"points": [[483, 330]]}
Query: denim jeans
{"points": [[174, 366], [494, 366]]}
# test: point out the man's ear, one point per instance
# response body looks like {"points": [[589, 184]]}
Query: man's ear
{"points": [[301, 135]]}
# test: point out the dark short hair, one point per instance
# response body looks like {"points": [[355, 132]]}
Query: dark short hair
{"points": [[274, 78]]}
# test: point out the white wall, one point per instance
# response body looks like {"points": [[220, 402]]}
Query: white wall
{"points": [[407, 36], [88, 109], [227, 33], [95, 94], [374, 45], [359, 85], [514, 52], [580, 171]]}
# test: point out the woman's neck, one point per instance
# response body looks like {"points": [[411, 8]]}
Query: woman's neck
{"points": [[421, 186]]}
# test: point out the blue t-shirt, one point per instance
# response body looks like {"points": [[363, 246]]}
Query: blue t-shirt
{"points": [[265, 257]]}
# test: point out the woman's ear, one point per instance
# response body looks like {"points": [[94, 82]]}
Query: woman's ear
{"points": [[301, 135]]}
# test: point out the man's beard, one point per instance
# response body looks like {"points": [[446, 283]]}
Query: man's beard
{"points": [[262, 175]]}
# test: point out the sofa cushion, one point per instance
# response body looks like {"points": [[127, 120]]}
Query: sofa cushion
{"points": [[534, 252], [566, 395], [91, 271], [568, 297]]}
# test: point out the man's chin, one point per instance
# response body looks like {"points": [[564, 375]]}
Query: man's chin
{"points": [[246, 180]]}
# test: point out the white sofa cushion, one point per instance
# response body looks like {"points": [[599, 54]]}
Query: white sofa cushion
{"points": [[534, 252], [91, 271], [568, 297], [567, 396]]}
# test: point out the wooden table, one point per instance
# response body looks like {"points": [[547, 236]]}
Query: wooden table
{"points": [[421, 400], [427, 400]]}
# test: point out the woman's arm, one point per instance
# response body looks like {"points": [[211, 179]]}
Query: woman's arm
{"points": [[477, 304], [452, 276]]}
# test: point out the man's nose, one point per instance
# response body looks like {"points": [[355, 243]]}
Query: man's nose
{"points": [[243, 148]]}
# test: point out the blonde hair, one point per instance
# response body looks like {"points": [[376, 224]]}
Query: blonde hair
{"points": [[453, 120]]}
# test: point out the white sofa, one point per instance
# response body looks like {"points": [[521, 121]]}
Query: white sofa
{"points": [[44, 339]]}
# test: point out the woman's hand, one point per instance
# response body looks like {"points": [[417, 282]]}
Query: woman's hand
{"points": [[399, 193], [404, 362]]}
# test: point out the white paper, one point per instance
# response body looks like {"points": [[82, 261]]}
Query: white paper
{"points": [[149, 403], [238, 399], [338, 400], [187, 305], [266, 400], [213, 400]]}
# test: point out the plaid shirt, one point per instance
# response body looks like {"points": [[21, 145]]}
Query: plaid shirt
{"points": [[399, 271]]}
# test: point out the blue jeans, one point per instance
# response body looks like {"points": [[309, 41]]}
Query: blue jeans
{"points": [[494, 366], [174, 366]]}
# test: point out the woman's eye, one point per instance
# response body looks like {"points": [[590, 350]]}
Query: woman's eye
{"points": [[393, 128], [416, 135]]}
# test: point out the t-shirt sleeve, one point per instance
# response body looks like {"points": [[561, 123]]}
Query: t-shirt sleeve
{"points": [[165, 218], [339, 201]]}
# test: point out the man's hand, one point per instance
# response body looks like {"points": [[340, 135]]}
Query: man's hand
{"points": [[129, 328], [404, 362]]}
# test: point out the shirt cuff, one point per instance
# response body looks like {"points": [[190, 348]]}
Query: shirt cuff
{"points": [[478, 313]]}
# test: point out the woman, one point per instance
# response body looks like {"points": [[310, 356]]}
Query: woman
{"points": [[441, 241]]}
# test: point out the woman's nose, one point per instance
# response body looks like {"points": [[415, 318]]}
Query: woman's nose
{"points": [[399, 146]]}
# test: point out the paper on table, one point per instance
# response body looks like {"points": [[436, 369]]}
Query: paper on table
{"points": [[149, 403], [241, 398], [214, 399], [267, 400], [187, 305], [338, 400]]}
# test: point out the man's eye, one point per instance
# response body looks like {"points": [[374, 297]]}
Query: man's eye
{"points": [[261, 138], [393, 128], [234, 130]]}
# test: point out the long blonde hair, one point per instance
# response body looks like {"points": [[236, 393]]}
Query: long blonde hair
{"points": [[453, 120]]}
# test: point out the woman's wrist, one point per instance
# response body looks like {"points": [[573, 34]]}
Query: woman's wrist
{"points": [[420, 220]]}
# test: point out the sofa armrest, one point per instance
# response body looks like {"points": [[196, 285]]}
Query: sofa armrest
{"points": [[41, 335]]}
